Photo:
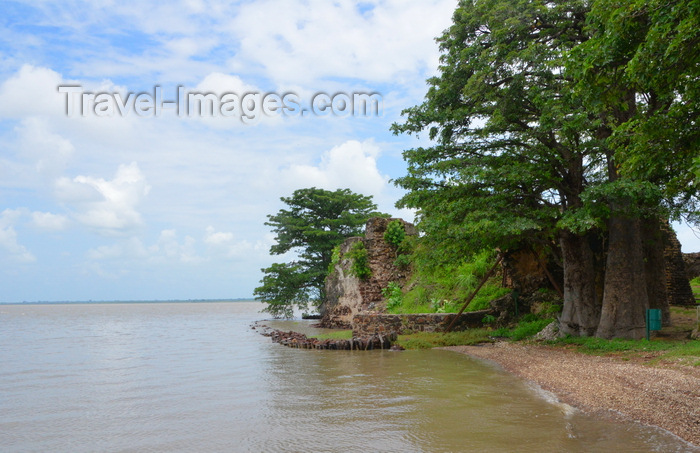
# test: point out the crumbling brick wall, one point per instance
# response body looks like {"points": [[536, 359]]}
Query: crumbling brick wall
{"points": [[347, 295]]}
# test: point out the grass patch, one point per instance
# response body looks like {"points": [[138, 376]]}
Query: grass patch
{"points": [[336, 335], [445, 288], [426, 340], [652, 351], [526, 328], [695, 287]]}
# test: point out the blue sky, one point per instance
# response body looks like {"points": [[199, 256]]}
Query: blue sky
{"points": [[173, 207]]}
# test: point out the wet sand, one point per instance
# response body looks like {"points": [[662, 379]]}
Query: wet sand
{"points": [[667, 397]]}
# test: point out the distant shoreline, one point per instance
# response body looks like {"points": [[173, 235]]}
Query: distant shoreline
{"points": [[97, 302]]}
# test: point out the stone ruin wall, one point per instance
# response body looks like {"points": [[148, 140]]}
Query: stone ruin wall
{"points": [[384, 324], [678, 291], [346, 295], [692, 264]]}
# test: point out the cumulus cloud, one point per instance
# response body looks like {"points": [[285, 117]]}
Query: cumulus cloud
{"points": [[31, 91], [48, 151], [168, 248], [352, 165], [298, 41], [49, 221], [132, 248], [218, 82], [288, 41], [224, 243], [108, 206], [13, 250]]}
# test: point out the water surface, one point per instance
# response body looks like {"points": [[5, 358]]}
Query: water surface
{"points": [[169, 377]]}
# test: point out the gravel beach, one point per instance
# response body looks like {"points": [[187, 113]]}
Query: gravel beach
{"points": [[665, 397]]}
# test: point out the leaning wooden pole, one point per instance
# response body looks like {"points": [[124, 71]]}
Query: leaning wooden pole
{"points": [[472, 295]]}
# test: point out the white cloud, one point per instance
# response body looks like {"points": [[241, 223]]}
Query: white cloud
{"points": [[224, 243], [13, 250], [48, 151], [169, 246], [351, 165], [49, 221], [108, 206], [207, 172], [300, 40], [32, 91], [217, 238], [132, 248], [218, 82], [286, 41]]}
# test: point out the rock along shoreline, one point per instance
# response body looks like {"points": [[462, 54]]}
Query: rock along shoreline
{"points": [[668, 398], [298, 340]]}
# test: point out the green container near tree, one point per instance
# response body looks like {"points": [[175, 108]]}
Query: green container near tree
{"points": [[653, 320]]}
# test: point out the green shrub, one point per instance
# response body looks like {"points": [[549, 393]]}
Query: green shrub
{"points": [[395, 233], [528, 326], [449, 284], [335, 259], [360, 261], [488, 319], [528, 329], [402, 261], [488, 292], [393, 295]]}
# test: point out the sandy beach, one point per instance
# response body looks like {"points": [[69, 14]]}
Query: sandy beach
{"points": [[667, 397]]}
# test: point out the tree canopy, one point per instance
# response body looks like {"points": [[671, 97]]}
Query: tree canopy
{"points": [[545, 121], [314, 222]]}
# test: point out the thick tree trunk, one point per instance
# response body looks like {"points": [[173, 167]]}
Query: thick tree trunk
{"points": [[581, 312], [625, 297], [655, 266]]}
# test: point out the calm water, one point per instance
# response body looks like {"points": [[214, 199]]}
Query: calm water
{"points": [[194, 377]]}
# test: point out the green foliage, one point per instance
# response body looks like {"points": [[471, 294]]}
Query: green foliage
{"points": [[284, 286], [442, 288], [313, 224], [360, 261], [510, 140], [415, 301], [393, 295], [402, 261], [547, 120], [335, 259], [639, 71], [488, 319], [669, 349], [528, 326], [395, 233]]}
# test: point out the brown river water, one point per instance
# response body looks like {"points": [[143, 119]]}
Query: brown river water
{"points": [[182, 377]]}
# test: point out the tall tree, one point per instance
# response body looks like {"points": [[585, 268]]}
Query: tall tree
{"points": [[547, 126], [514, 152], [639, 77], [315, 222]]}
